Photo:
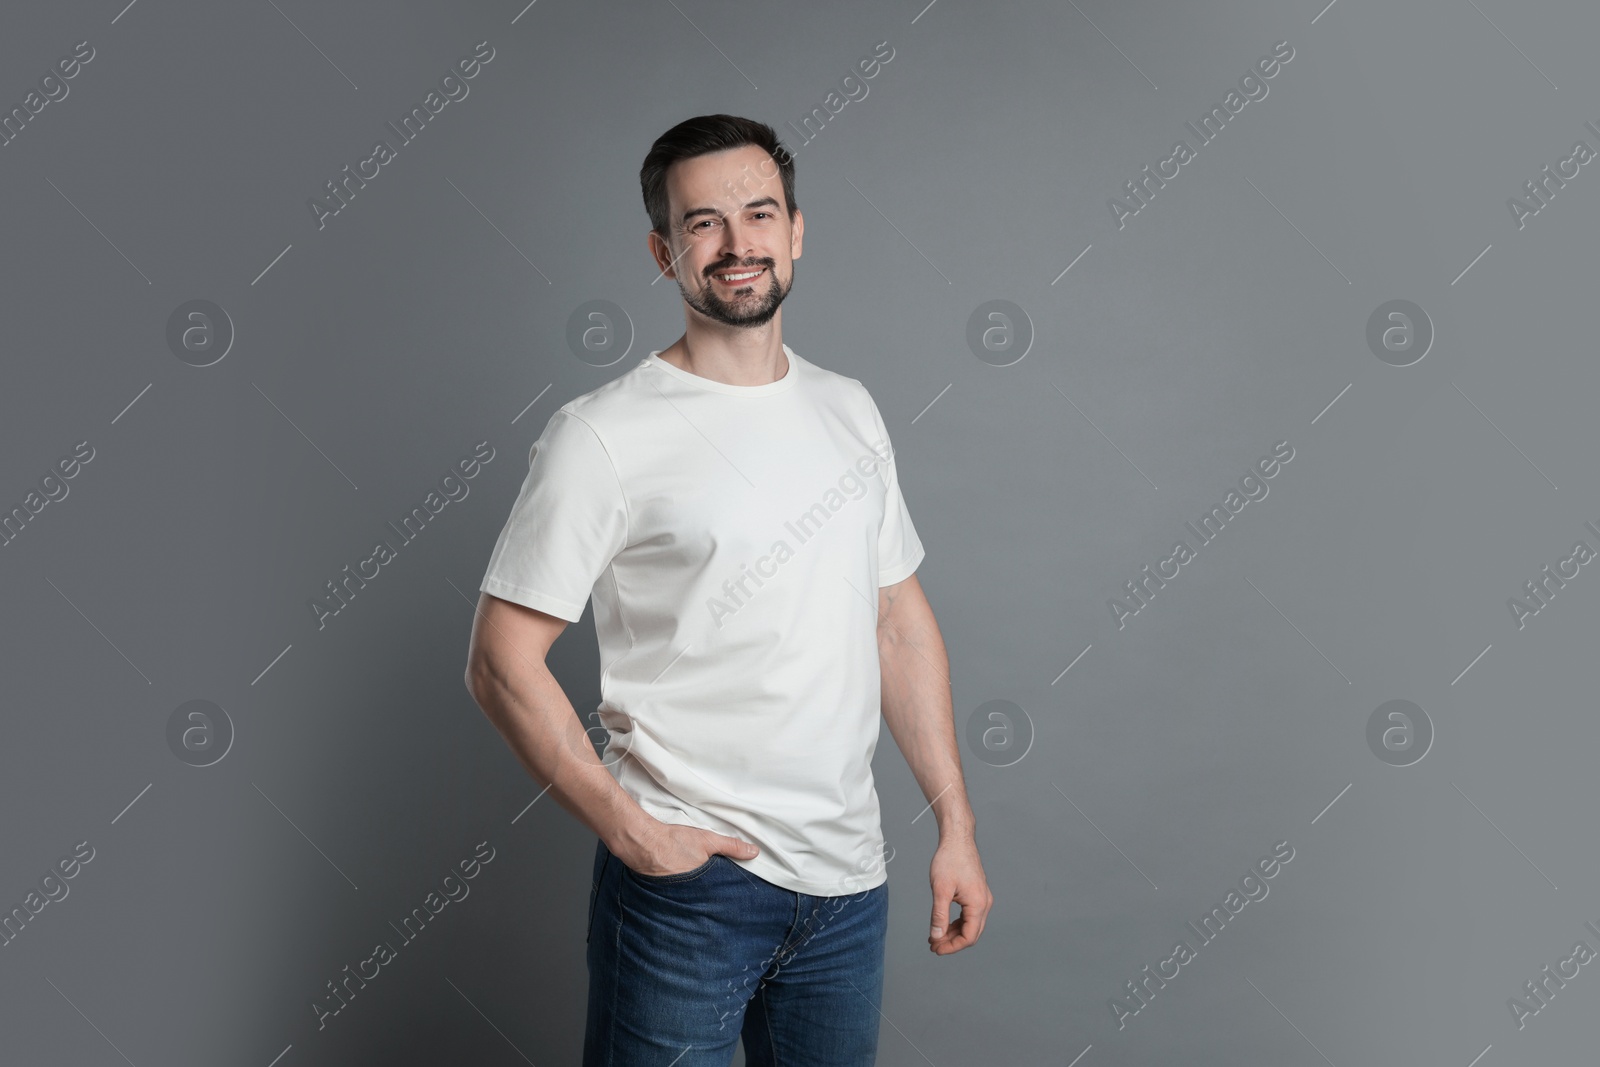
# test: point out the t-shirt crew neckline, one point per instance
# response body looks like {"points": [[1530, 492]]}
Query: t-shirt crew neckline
{"points": [[654, 359]]}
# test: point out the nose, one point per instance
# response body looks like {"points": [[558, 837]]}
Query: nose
{"points": [[734, 241]]}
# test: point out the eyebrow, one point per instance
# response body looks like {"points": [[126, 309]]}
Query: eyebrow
{"points": [[765, 201]]}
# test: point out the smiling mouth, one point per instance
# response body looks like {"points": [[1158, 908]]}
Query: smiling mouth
{"points": [[740, 278]]}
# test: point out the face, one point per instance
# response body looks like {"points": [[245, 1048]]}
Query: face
{"points": [[729, 217]]}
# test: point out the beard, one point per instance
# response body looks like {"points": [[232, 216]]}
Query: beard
{"points": [[746, 310]]}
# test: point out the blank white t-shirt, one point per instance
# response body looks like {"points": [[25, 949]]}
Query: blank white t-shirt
{"points": [[733, 539]]}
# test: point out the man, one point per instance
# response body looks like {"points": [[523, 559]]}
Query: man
{"points": [[735, 512]]}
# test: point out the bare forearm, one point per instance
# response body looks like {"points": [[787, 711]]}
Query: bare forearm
{"points": [[917, 706], [530, 710]]}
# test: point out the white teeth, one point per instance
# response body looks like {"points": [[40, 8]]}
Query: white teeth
{"points": [[739, 277]]}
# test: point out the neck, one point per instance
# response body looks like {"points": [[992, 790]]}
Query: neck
{"points": [[742, 357]]}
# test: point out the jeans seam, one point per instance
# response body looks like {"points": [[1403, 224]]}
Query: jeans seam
{"points": [[594, 896], [616, 982], [772, 1042]]}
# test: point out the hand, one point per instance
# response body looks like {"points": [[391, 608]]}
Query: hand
{"points": [[957, 874], [669, 848]]}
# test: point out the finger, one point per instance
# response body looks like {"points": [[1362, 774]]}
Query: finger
{"points": [[732, 846], [968, 926], [962, 933], [950, 942], [975, 913], [941, 913]]}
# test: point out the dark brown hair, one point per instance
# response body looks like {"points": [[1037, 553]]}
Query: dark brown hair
{"points": [[697, 137]]}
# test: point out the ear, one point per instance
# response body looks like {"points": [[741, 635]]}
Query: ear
{"points": [[660, 253]]}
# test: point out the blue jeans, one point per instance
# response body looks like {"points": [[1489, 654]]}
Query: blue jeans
{"points": [[682, 965]]}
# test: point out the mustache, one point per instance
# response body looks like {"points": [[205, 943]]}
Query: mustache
{"points": [[721, 267]]}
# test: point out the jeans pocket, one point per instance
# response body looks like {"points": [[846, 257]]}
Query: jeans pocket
{"points": [[673, 879]]}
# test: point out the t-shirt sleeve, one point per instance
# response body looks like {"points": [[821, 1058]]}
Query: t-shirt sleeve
{"points": [[899, 548], [568, 523]]}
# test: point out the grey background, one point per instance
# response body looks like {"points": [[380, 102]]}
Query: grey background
{"points": [[1228, 315]]}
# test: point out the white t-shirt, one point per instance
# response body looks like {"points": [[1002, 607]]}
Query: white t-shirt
{"points": [[734, 538]]}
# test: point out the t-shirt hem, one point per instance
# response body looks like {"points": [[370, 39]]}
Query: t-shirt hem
{"points": [[771, 872], [900, 571], [762, 867], [532, 598]]}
